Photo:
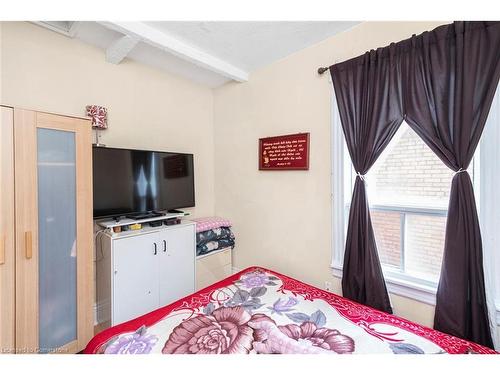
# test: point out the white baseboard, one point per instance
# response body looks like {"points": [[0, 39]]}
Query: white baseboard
{"points": [[94, 308], [102, 312]]}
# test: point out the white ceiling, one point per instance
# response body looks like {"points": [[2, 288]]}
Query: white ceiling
{"points": [[210, 53]]}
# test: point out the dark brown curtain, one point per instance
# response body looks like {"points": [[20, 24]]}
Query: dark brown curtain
{"points": [[451, 74], [368, 91], [446, 79]]}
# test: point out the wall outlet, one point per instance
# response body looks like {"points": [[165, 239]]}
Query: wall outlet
{"points": [[328, 285]]}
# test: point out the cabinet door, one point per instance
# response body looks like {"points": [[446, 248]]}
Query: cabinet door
{"points": [[7, 257], [177, 263], [135, 276], [54, 260]]}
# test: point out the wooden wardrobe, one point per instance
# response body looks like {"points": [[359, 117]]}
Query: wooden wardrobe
{"points": [[46, 257]]}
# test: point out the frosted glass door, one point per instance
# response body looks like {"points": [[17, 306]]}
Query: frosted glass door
{"points": [[57, 238]]}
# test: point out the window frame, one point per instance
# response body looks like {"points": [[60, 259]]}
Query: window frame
{"points": [[489, 218]]}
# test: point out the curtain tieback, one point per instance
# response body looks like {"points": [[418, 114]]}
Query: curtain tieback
{"points": [[461, 170], [362, 176]]}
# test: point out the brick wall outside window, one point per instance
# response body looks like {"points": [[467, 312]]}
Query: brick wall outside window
{"points": [[410, 174], [411, 171]]}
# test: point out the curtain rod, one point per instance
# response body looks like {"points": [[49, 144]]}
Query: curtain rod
{"points": [[323, 69]]}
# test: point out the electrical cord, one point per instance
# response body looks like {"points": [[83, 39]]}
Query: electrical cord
{"points": [[98, 246]]}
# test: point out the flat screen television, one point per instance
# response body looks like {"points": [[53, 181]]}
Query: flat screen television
{"points": [[131, 182]]}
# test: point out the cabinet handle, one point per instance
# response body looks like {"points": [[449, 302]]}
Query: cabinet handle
{"points": [[155, 252], [2, 249], [28, 245], [164, 246]]}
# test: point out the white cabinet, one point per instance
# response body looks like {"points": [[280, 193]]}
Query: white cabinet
{"points": [[135, 276], [138, 272]]}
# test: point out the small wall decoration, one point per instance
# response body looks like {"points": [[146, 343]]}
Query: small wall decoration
{"points": [[284, 152]]}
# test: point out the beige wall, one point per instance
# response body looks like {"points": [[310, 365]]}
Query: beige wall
{"points": [[282, 220], [147, 108]]}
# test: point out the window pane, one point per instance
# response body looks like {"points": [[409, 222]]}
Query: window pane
{"points": [[409, 173], [424, 245], [387, 228], [407, 179]]}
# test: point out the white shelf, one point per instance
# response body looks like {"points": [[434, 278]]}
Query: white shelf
{"points": [[126, 221], [213, 252], [146, 229]]}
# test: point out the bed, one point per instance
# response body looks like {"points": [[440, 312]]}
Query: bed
{"points": [[261, 311]]}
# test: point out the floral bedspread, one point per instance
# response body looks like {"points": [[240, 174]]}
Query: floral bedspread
{"points": [[262, 311]]}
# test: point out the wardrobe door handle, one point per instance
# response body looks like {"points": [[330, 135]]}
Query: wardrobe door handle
{"points": [[164, 246], [28, 245], [2, 249], [156, 251]]}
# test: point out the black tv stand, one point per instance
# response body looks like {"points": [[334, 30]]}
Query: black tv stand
{"points": [[144, 215], [175, 212]]}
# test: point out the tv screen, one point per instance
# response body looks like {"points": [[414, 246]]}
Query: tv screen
{"points": [[136, 181]]}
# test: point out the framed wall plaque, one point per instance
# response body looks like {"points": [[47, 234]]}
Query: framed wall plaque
{"points": [[284, 152]]}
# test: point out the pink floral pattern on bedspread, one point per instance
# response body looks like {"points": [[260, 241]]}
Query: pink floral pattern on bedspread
{"points": [[260, 311]]}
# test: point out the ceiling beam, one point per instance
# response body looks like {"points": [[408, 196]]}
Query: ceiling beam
{"points": [[74, 28], [170, 44], [120, 48]]}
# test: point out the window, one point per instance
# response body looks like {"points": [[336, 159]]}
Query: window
{"points": [[408, 189]]}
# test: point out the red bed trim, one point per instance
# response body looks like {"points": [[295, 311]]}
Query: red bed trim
{"points": [[361, 315]]}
